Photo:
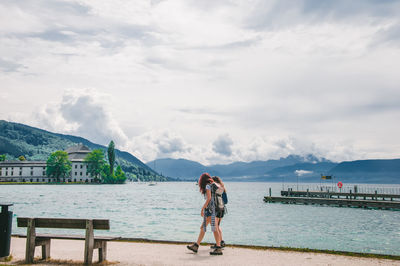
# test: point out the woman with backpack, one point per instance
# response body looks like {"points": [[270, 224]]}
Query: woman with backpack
{"points": [[210, 212], [225, 199]]}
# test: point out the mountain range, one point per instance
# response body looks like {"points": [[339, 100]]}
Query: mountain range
{"points": [[37, 144], [290, 169]]}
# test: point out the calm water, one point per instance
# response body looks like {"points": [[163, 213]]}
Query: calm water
{"points": [[171, 211]]}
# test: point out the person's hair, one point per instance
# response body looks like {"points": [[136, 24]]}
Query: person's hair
{"points": [[217, 179], [203, 181]]}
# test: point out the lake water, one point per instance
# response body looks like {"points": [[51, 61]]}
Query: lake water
{"points": [[171, 211]]}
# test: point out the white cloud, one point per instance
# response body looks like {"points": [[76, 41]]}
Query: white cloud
{"points": [[303, 172], [83, 113]]}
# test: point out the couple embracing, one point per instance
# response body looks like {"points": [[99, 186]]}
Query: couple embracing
{"points": [[212, 212]]}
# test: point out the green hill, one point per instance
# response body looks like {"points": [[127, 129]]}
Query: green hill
{"points": [[37, 144]]}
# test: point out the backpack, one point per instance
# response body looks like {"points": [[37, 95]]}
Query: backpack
{"points": [[218, 199], [225, 197]]}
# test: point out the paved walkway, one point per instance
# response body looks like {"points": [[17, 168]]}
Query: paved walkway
{"points": [[128, 253]]}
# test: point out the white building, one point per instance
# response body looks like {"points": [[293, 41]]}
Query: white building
{"points": [[79, 173], [23, 171], [35, 171]]}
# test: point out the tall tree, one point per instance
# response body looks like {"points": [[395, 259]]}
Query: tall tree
{"points": [[111, 156], [2, 157], [58, 165], [95, 163]]}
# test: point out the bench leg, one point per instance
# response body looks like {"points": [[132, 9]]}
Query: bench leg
{"points": [[89, 242], [30, 241], [103, 251], [46, 250]]}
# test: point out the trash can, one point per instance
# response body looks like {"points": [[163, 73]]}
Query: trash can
{"points": [[5, 230]]}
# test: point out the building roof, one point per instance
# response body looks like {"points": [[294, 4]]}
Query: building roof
{"points": [[22, 163], [79, 148], [77, 153]]}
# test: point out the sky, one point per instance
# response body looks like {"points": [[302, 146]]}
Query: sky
{"points": [[210, 81]]}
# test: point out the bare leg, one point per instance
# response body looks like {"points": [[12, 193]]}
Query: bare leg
{"points": [[217, 235], [220, 230], [202, 233]]}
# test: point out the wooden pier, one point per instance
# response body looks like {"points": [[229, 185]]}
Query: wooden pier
{"points": [[338, 199], [328, 194]]}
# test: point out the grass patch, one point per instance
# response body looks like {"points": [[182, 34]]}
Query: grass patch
{"points": [[61, 262]]}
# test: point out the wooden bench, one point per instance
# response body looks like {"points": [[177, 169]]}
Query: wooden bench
{"points": [[33, 240]]}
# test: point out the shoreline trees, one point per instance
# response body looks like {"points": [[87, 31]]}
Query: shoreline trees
{"points": [[58, 165], [103, 172]]}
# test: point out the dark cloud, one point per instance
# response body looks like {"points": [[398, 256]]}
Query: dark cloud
{"points": [[223, 145], [9, 66], [389, 36], [168, 144], [284, 13], [71, 22]]}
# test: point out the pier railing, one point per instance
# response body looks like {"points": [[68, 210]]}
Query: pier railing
{"points": [[345, 189]]}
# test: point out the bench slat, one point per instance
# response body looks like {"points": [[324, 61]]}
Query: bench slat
{"points": [[67, 223], [68, 237]]}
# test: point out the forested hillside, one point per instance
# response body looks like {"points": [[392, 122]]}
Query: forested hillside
{"points": [[37, 144]]}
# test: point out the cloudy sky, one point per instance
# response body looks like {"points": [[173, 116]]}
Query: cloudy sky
{"points": [[211, 81]]}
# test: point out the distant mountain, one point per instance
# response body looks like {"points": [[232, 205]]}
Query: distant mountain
{"points": [[304, 172], [255, 168], [371, 171], [37, 144], [249, 171], [290, 169], [178, 168]]}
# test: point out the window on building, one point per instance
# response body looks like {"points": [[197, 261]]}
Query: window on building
{"points": [[12, 168], [76, 173], [6, 173], [44, 173], [20, 168], [31, 173], [20, 172], [31, 168], [87, 173], [81, 166], [12, 173], [76, 166], [81, 173], [44, 167]]}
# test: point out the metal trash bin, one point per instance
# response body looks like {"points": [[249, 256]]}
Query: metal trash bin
{"points": [[5, 230]]}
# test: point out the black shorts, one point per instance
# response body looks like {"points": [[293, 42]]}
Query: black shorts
{"points": [[219, 214]]}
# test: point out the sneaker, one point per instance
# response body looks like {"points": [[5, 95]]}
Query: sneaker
{"points": [[215, 245], [193, 247], [217, 251]]}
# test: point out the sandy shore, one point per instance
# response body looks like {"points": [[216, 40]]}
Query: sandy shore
{"points": [[128, 253]]}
